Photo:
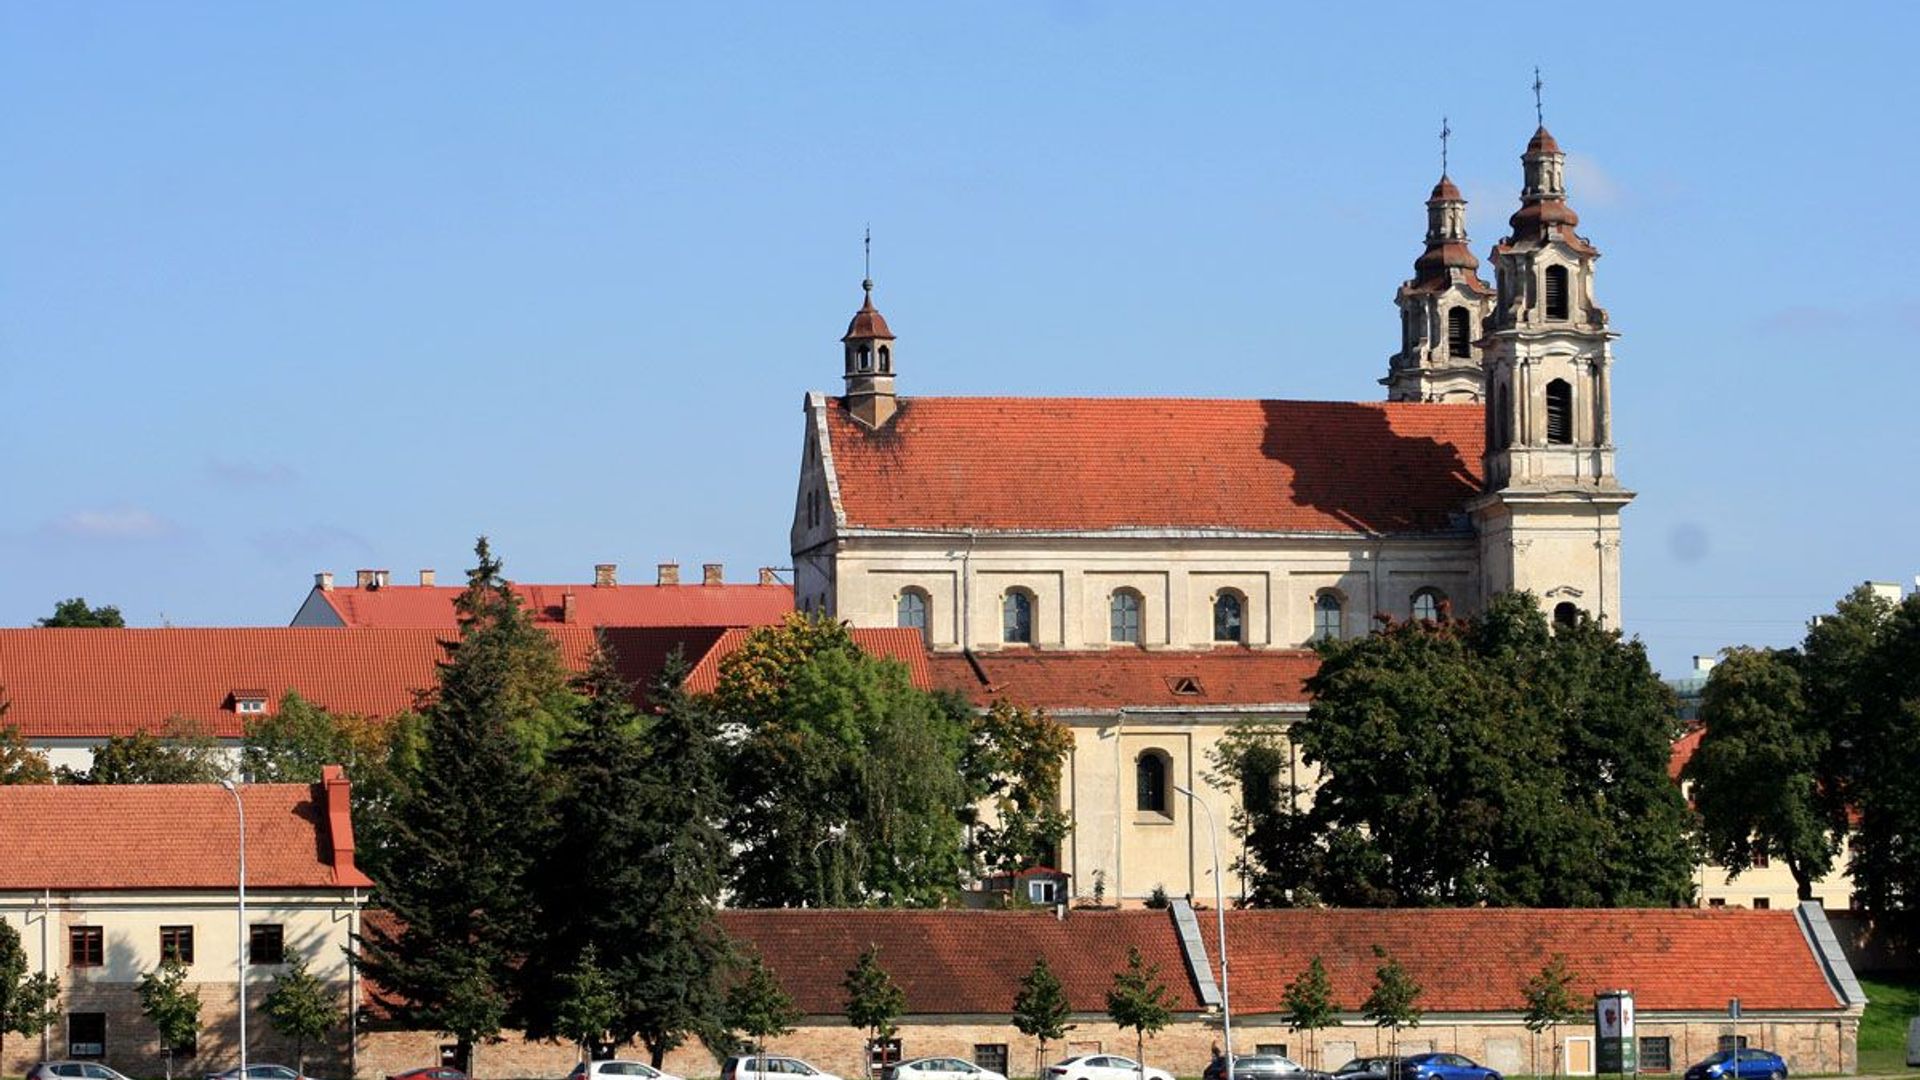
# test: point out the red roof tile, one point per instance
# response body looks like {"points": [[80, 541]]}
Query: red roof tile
{"points": [[1683, 750], [960, 961], [1479, 959], [168, 836], [1129, 678], [431, 606], [906, 646], [1158, 463]]}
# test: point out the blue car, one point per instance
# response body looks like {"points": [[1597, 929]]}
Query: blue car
{"points": [[1445, 1067], [1754, 1065]]}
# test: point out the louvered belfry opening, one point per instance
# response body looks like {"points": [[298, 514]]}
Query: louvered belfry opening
{"points": [[1556, 292], [1559, 412], [1459, 332]]}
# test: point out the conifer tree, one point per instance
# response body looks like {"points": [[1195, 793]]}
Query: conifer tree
{"points": [[1310, 1006], [29, 1004], [1040, 1008], [1138, 1000]]}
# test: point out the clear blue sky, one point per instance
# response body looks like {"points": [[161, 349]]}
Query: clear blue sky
{"points": [[289, 289]]}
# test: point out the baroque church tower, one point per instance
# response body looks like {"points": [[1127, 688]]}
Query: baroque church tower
{"points": [[1443, 311], [1549, 520]]}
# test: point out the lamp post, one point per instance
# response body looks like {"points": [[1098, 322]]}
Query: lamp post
{"points": [[1220, 911], [240, 922], [835, 833]]}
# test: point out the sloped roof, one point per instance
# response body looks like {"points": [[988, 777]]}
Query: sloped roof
{"points": [[431, 606], [1095, 464], [1479, 959], [1683, 750], [906, 646], [959, 961], [1129, 678], [169, 836]]}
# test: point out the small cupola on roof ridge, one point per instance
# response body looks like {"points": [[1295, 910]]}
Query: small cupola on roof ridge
{"points": [[868, 352]]}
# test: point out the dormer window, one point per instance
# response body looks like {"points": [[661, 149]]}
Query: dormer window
{"points": [[250, 702]]}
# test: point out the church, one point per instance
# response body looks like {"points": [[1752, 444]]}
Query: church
{"points": [[1074, 530]]}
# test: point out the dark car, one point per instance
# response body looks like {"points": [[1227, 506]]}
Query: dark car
{"points": [[431, 1072], [1753, 1065], [1262, 1067], [1444, 1067], [1366, 1068]]}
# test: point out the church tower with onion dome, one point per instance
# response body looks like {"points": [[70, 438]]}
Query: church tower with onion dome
{"points": [[1443, 311]]}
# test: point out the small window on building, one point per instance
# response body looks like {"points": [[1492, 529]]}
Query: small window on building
{"points": [[1556, 292], [1150, 782], [176, 943], [1656, 1053], [886, 360], [1124, 611], [1229, 617], [910, 611], [1043, 890], [1761, 903], [1459, 332], [1427, 604], [1565, 613], [1760, 860], [1326, 617], [1185, 686], [1502, 418], [1559, 412], [250, 706], [1726, 1043], [1016, 617], [86, 946], [866, 358], [991, 1056], [87, 1035], [1717, 901], [267, 944]]}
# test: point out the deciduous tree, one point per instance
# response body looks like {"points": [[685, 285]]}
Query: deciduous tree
{"points": [[73, 613], [1138, 1000], [758, 1008], [1550, 1003], [1310, 1006], [182, 753], [1040, 1007], [171, 1007], [874, 1001], [1013, 765], [588, 1005], [1394, 1001], [19, 763], [29, 1002], [302, 1008]]}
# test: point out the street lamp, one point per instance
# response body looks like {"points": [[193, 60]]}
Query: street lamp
{"points": [[240, 922], [835, 833], [1219, 910]]}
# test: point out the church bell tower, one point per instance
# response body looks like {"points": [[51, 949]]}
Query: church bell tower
{"points": [[1549, 520], [1443, 311], [868, 344]]}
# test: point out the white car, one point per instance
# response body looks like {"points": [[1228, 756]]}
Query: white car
{"points": [[771, 1067], [638, 1070], [942, 1068], [1103, 1067]]}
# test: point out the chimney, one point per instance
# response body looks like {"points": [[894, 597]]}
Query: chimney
{"points": [[323, 581], [1885, 590], [363, 579], [669, 574], [381, 578], [1703, 664], [712, 574], [604, 575], [566, 606], [768, 577], [426, 578]]}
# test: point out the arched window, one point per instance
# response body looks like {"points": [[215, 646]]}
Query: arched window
{"points": [[910, 611], [1502, 418], [1565, 613], [1229, 617], [1326, 616], [1559, 412], [866, 358], [886, 360], [1150, 781], [1556, 292], [1427, 603], [1459, 332], [1124, 612], [1016, 617]]}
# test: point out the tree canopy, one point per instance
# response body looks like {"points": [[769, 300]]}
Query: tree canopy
{"points": [[73, 613], [29, 1003]]}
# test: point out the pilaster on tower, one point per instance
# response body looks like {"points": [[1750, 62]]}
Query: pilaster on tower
{"points": [[1443, 311], [868, 344]]}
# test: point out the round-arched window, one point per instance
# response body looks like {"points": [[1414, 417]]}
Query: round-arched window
{"points": [[1124, 617], [886, 360], [1229, 617], [1565, 613], [1427, 604], [1327, 612], [1150, 781], [1016, 617], [910, 611]]}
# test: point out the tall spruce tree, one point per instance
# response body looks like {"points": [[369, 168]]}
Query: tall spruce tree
{"points": [[464, 828]]}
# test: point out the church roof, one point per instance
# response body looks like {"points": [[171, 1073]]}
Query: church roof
{"points": [[1100, 680], [1104, 464]]}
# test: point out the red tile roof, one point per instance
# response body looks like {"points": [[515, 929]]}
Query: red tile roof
{"points": [[170, 836], [431, 606], [1683, 750], [1158, 463], [906, 646], [1479, 959], [1129, 678], [960, 961]]}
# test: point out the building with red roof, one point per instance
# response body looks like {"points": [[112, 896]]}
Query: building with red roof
{"points": [[374, 601]]}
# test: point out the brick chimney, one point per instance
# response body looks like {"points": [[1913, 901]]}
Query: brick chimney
{"points": [[567, 611], [768, 577], [669, 574], [323, 581], [604, 575], [712, 573], [426, 578]]}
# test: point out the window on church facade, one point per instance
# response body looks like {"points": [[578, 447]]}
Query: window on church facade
{"points": [[1016, 617], [1124, 609], [1459, 332], [910, 612], [1326, 617], [1150, 782], [1426, 604], [1559, 412], [1565, 613], [1556, 292], [1229, 623]]}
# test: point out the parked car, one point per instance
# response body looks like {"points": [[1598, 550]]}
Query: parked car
{"points": [[769, 1067], [1753, 1065], [1444, 1067], [1366, 1068], [431, 1072], [259, 1072], [72, 1070], [1102, 1067], [1263, 1067], [941, 1068], [595, 1070]]}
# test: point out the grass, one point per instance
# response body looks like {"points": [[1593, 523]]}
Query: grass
{"points": [[1892, 1001]]}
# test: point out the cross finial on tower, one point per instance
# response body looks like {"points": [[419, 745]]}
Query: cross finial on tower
{"points": [[1445, 134], [1539, 113], [866, 243]]}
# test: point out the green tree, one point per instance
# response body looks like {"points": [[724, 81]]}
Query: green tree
{"points": [[182, 753], [1138, 1000], [1550, 1003], [588, 1006], [173, 1009], [758, 1008], [465, 824], [1013, 765], [1757, 782], [29, 1003], [1309, 1004], [1272, 817], [631, 861], [19, 763], [1879, 740], [75, 614], [1394, 1001], [874, 1002], [1040, 1007], [302, 1008]]}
